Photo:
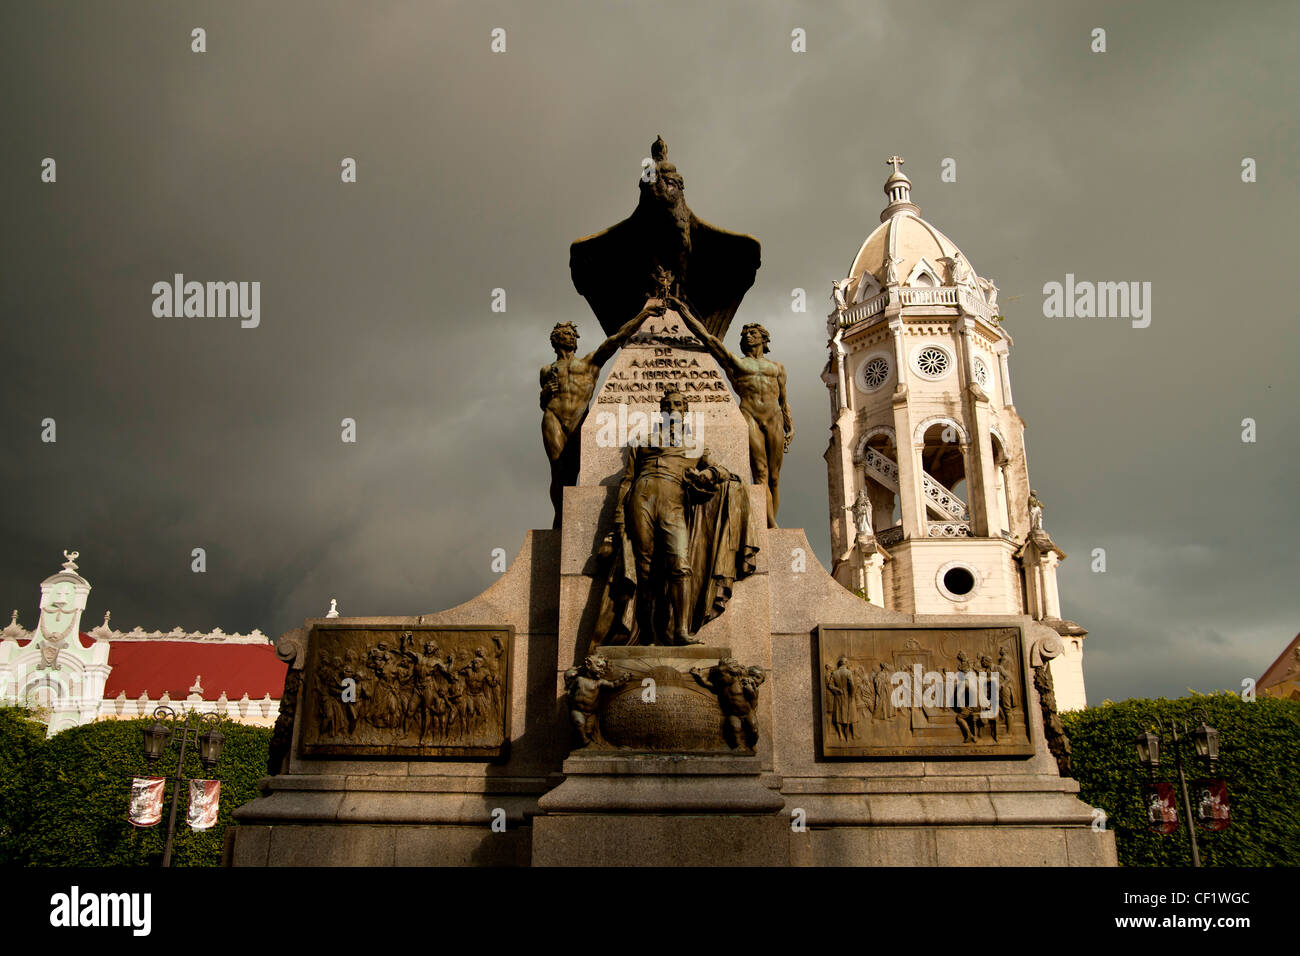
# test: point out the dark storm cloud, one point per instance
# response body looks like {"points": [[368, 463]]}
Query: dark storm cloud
{"points": [[477, 170]]}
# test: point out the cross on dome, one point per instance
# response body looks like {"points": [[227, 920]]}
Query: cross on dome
{"points": [[899, 190]]}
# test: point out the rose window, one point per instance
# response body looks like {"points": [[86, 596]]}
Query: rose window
{"points": [[981, 373], [874, 374], [932, 361]]}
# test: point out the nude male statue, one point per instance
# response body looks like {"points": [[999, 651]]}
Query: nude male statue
{"points": [[760, 384], [567, 385], [428, 684]]}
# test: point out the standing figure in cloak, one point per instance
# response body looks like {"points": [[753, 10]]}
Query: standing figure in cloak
{"points": [[842, 686], [760, 385], [680, 540], [567, 386], [882, 684]]}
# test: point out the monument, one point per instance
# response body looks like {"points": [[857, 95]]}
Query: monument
{"points": [[665, 677]]}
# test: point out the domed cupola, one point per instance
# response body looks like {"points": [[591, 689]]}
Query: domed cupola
{"points": [[907, 252]]}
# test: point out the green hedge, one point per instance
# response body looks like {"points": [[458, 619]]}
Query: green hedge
{"points": [[21, 739], [1259, 757], [63, 801]]}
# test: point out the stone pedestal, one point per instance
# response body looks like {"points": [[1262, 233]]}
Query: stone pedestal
{"points": [[665, 787], [662, 810]]}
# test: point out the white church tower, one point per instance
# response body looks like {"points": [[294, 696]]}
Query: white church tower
{"points": [[931, 507]]}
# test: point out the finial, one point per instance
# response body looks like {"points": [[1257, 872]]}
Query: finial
{"points": [[197, 688], [899, 190], [107, 615], [659, 150], [13, 620], [71, 563], [334, 608]]}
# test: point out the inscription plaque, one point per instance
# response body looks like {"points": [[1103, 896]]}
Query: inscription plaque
{"points": [[664, 354], [923, 692], [414, 691]]}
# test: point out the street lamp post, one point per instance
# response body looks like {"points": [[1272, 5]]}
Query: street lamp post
{"points": [[1206, 741], [159, 734]]}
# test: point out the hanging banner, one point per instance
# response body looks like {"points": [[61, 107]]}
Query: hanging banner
{"points": [[145, 807], [1162, 808], [1210, 798], [205, 800]]}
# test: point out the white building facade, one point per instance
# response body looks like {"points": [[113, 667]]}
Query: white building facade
{"points": [[71, 677], [931, 507]]}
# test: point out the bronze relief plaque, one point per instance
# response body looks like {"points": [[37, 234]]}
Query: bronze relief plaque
{"points": [[414, 691], [923, 692]]}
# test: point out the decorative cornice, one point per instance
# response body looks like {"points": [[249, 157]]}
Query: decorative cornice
{"points": [[215, 636]]}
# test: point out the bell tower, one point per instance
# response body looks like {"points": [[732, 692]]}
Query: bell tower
{"points": [[931, 507]]}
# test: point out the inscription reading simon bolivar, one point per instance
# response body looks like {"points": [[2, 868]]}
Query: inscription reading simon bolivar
{"points": [[664, 363]]}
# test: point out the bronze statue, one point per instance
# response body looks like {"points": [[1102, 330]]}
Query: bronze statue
{"points": [[1058, 741], [431, 679], [567, 386], [583, 685], [1006, 688], [737, 690], [883, 693], [760, 386], [710, 268], [967, 698], [841, 683], [986, 668], [680, 539]]}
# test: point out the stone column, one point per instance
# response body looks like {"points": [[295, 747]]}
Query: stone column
{"points": [[1006, 373], [909, 470], [841, 479], [845, 393], [1003, 512], [1051, 596], [981, 493], [874, 580]]}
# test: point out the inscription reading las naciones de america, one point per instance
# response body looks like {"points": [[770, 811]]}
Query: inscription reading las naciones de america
{"points": [[644, 379]]}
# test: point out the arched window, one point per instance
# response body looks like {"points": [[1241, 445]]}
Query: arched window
{"points": [[880, 477]]}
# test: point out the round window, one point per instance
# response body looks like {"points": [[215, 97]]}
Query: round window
{"points": [[981, 373], [873, 373], [933, 361], [957, 581]]}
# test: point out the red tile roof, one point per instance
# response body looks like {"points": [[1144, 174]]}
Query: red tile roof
{"points": [[157, 666], [1277, 671]]}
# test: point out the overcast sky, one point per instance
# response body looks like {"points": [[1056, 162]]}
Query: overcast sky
{"points": [[477, 169]]}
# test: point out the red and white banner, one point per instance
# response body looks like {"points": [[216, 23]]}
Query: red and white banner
{"points": [[205, 800], [1210, 798], [1162, 808], [145, 808]]}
